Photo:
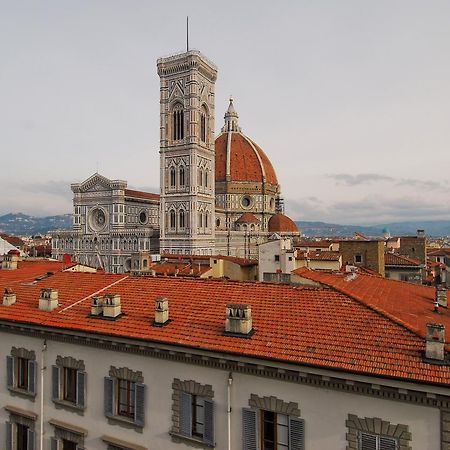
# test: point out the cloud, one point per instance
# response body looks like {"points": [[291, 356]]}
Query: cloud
{"points": [[370, 178]]}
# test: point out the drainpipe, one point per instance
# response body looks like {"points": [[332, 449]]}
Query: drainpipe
{"points": [[230, 382], [41, 437]]}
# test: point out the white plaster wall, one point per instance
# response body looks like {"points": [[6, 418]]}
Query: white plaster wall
{"points": [[325, 411]]}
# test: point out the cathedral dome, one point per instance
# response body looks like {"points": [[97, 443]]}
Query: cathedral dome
{"points": [[280, 223], [238, 158]]}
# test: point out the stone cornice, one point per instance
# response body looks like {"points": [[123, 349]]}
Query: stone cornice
{"points": [[283, 371]]}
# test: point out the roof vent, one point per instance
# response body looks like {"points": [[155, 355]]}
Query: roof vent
{"points": [[441, 296], [435, 341], [161, 311], [111, 306], [48, 299], [97, 306], [9, 297], [238, 320]]}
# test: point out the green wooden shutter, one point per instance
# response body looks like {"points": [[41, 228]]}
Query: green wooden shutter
{"points": [[10, 363], [55, 383], [32, 373], [9, 426], [296, 433], [30, 439], [186, 414], [54, 443], [81, 388], [109, 397], [139, 404], [249, 427], [208, 435]]}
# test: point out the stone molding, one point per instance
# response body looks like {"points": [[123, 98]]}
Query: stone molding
{"points": [[274, 404], [190, 387], [21, 417], [23, 353], [445, 429], [375, 425], [124, 373], [71, 363], [69, 432]]}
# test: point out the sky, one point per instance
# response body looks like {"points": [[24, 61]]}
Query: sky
{"points": [[349, 99]]}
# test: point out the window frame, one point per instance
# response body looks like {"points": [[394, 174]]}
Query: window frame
{"points": [[378, 441], [21, 366], [20, 419]]}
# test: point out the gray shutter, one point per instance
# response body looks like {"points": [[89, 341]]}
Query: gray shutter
{"points": [[30, 439], [109, 397], [81, 388], [368, 441], [186, 414], [10, 371], [139, 404], [208, 435], [296, 433], [9, 436], [32, 366], [55, 382], [249, 428], [54, 443], [387, 443]]}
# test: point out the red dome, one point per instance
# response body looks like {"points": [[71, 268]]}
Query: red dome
{"points": [[247, 160], [279, 223], [247, 217]]}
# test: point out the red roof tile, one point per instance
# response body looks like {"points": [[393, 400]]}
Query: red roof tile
{"points": [[323, 255], [280, 223], [141, 194], [247, 217], [392, 259]]}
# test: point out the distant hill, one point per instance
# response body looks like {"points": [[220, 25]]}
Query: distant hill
{"points": [[431, 227], [24, 225]]}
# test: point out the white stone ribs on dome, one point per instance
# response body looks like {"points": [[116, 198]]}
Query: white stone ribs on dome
{"points": [[230, 135], [263, 170]]}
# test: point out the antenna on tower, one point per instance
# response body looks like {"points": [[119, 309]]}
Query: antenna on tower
{"points": [[187, 33]]}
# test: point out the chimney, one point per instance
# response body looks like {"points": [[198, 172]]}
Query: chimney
{"points": [[238, 319], [441, 296], [435, 341], [161, 311], [97, 305], [9, 297], [48, 299], [111, 306], [420, 233]]}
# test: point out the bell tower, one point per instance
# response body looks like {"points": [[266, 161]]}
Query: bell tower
{"points": [[187, 154]]}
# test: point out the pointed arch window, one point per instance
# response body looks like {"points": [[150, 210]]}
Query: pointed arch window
{"points": [[203, 122], [178, 122], [172, 219], [206, 219], [182, 176], [200, 177], [206, 178], [182, 219], [172, 177], [200, 219]]}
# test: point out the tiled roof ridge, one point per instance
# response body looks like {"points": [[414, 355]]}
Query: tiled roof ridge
{"points": [[404, 257]]}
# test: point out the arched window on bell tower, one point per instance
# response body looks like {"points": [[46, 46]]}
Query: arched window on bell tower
{"points": [[182, 176], [181, 222], [178, 122], [172, 219], [203, 124], [172, 177]]}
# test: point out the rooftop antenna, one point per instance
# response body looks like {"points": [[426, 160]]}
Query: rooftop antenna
{"points": [[187, 33]]}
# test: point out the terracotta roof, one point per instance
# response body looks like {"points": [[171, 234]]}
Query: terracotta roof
{"points": [[323, 255], [314, 244], [13, 240], [141, 194], [247, 217], [235, 259], [439, 252], [28, 270], [247, 160], [392, 259], [179, 269], [243, 262], [408, 304], [280, 223], [316, 331]]}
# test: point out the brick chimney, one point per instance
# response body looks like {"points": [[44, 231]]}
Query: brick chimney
{"points": [[9, 297], [161, 311], [435, 341], [238, 319], [48, 299], [97, 305], [111, 305], [441, 295]]}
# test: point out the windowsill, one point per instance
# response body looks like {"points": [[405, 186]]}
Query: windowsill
{"points": [[22, 392], [195, 442], [68, 405], [122, 420]]}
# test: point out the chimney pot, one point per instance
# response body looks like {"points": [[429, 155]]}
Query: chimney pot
{"points": [[97, 305], [238, 319], [48, 299], [441, 295], [111, 305], [9, 297], [435, 341], [161, 311]]}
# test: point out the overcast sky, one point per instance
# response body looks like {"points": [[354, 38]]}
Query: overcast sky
{"points": [[349, 99]]}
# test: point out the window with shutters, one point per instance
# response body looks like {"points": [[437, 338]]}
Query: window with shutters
{"points": [[20, 434], [21, 371], [377, 442], [67, 436], [193, 412], [272, 424], [69, 383], [125, 396]]}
